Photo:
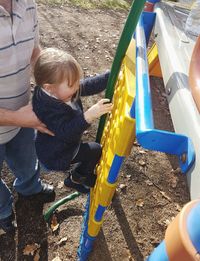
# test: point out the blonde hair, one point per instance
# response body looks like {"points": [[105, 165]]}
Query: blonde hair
{"points": [[53, 66]]}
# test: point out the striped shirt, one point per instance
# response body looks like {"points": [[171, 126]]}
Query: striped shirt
{"points": [[18, 37]]}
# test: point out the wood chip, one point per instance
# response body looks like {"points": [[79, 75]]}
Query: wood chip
{"points": [[165, 195], [63, 240]]}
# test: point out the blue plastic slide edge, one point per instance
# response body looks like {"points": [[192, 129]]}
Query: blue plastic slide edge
{"points": [[146, 134]]}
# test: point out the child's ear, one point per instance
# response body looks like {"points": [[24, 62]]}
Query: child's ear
{"points": [[47, 87]]}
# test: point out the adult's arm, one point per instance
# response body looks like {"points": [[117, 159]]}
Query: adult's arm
{"points": [[24, 117]]}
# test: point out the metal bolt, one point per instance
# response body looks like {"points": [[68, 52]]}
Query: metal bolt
{"points": [[184, 157], [168, 91]]}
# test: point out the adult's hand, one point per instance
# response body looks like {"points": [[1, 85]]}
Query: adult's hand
{"points": [[25, 117]]}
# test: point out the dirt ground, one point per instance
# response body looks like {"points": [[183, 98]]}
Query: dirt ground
{"points": [[151, 188]]}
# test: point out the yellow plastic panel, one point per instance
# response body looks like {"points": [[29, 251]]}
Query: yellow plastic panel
{"points": [[117, 139]]}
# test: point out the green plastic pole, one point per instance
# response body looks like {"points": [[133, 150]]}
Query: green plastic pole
{"points": [[124, 42], [60, 202]]}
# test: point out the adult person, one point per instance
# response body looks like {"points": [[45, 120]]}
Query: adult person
{"points": [[19, 48]]}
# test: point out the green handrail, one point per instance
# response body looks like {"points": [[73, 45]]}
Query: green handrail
{"points": [[50, 211], [129, 29]]}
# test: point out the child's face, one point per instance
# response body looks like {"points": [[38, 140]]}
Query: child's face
{"points": [[62, 91]]}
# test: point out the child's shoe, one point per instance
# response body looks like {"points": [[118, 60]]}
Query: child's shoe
{"points": [[78, 178], [80, 188], [90, 180], [87, 180]]}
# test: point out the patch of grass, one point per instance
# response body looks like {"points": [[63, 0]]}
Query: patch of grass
{"points": [[111, 4]]}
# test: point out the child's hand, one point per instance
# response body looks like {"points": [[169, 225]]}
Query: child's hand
{"points": [[101, 107]]}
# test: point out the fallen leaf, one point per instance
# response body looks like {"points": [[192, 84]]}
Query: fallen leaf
{"points": [[122, 186], [37, 256], [54, 228], [142, 152], [140, 203], [30, 249], [54, 223]]}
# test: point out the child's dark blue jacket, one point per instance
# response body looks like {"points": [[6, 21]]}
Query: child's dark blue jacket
{"points": [[68, 124]]}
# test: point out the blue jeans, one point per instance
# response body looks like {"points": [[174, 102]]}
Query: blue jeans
{"points": [[20, 155]]}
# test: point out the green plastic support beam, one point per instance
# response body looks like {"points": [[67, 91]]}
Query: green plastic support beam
{"points": [[124, 42], [57, 204]]}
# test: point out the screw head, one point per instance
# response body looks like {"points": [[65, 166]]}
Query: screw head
{"points": [[168, 91], [183, 157]]}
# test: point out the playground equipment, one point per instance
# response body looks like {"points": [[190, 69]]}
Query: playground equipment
{"points": [[132, 118], [149, 137], [146, 134], [178, 55], [175, 49], [119, 131], [182, 237], [116, 140]]}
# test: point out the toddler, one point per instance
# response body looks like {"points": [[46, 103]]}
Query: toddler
{"points": [[56, 102]]}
